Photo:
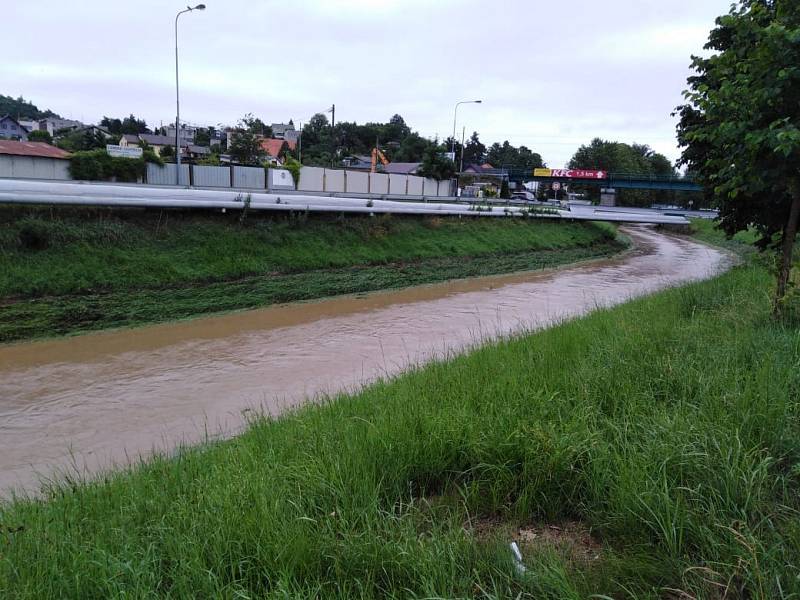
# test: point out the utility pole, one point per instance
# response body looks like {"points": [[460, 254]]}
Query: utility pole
{"points": [[333, 134]]}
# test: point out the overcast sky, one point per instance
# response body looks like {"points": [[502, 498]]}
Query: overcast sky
{"points": [[552, 74]]}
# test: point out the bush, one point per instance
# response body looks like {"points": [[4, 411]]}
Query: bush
{"points": [[34, 235], [38, 135], [97, 165]]}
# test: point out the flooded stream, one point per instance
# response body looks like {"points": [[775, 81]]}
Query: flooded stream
{"points": [[89, 402]]}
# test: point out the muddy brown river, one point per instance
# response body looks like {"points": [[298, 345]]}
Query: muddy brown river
{"points": [[94, 401]]}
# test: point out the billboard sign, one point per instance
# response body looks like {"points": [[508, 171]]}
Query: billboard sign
{"points": [[570, 173], [120, 152]]}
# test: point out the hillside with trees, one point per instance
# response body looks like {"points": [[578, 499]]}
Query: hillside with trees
{"points": [[19, 108]]}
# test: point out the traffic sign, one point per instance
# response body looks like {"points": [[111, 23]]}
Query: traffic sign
{"points": [[570, 173]]}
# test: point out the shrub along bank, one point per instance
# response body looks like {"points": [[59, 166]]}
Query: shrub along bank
{"points": [[75, 270], [649, 451]]}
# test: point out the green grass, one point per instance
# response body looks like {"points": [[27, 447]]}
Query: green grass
{"points": [[669, 426], [76, 270]]}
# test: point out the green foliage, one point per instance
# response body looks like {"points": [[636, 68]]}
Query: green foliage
{"points": [[129, 124], [293, 166], [80, 140], [211, 160], [508, 157], [740, 127], [23, 109], [245, 148], [435, 164], [663, 426], [618, 157], [167, 152], [97, 165], [131, 267], [504, 191], [474, 151], [38, 135]]}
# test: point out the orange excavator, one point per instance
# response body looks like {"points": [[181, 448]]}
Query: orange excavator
{"points": [[377, 154]]}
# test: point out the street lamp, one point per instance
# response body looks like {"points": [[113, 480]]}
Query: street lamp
{"points": [[177, 93], [455, 116]]}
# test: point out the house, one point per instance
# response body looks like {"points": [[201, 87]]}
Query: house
{"points": [[275, 149], [285, 131], [33, 160], [129, 140], [52, 125], [187, 134], [486, 169], [11, 129], [402, 168], [192, 151], [156, 142], [95, 130], [358, 163], [29, 124]]}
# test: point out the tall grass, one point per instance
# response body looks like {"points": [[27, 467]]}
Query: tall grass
{"points": [[669, 426], [79, 270], [79, 251]]}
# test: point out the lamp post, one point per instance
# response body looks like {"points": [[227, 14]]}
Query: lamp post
{"points": [[177, 94], [455, 117]]}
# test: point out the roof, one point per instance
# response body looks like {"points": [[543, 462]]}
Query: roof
{"points": [[485, 169], [40, 149], [131, 138], [401, 168], [158, 140], [281, 127], [274, 147]]}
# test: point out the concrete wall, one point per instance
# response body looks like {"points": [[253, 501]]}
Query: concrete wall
{"points": [[379, 183], [208, 176], [311, 179], [34, 167], [334, 180], [157, 175], [249, 177], [415, 185], [357, 182], [397, 184], [279, 180], [430, 187]]}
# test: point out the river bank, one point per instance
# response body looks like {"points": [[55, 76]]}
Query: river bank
{"points": [[65, 271], [648, 449]]}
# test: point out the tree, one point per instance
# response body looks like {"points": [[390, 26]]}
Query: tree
{"points": [[39, 135], [740, 127], [506, 156], [474, 150], [245, 147], [167, 152], [23, 109], [131, 124], [435, 164], [255, 126], [78, 140], [617, 157]]}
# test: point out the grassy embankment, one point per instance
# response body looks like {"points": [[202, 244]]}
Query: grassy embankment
{"points": [[649, 451], [75, 270]]}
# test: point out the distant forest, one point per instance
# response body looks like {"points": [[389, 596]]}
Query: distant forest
{"points": [[19, 108]]}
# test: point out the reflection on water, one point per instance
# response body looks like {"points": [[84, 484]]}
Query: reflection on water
{"points": [[90, 401]]}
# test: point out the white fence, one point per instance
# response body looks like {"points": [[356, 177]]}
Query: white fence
{"points": [[317, 179], [34, 167], [207, 176], [165, 175], [312, 179]]}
